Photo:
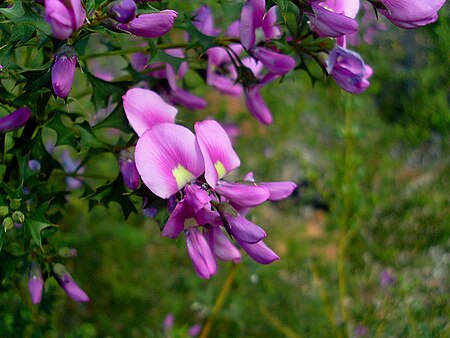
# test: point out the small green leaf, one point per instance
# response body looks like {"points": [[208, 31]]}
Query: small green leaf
{"points": [[35, 228], [103, 90], [283, 7], [158, 55], [65, 136], [115, 120], [197, 38], [87, 137], [15, 12]]}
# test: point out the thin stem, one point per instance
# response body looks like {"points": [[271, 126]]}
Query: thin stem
{"points": [[346, 230], [288, 332], [220, 300]]}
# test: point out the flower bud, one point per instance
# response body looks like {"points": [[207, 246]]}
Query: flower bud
{"points": [[123, 11], [15, 203], [68, 284], [18, 217], [15, 120], [35, 283], [64, 16], [63, 70], [151, 25], [67, 252], [7, 224], [128, 168], [4, 210]]}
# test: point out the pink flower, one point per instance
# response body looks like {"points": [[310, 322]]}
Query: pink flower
{"points": [[63, 70], [410, 14], [150, 25], [64, 16], [15, 120]]}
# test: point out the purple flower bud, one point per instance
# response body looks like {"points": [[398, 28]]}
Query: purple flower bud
{"points": [[275, 62], [123, 11], [168, 322], [35, 283], [64, 16], [200, 253], [243, 230], [15, 120], [128, 168], [259, 252], [325, 22], [194, 330], [151, 25], [411, 13], [63, 70], [349, 70], [68, 284], [386, 279], [34, 165]]}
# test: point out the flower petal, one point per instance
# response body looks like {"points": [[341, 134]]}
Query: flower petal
{"points": [[151, 25], [221, 245], [144, 109], [218, 153], [279, 190], [259, 252], [244, 230], [167, 157], [244, 195], [200, 253]]}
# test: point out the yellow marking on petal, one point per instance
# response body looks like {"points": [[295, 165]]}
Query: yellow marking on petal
{"points": [[182, 176], [190, 222], [221, 171]]}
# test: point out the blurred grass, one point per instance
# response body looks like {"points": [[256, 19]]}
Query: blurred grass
{"points": [[384, 172]]}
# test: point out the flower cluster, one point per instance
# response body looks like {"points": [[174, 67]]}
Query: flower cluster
{"points": [[189, 169]]}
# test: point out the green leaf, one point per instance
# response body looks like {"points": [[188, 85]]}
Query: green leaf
{"points": [[115, 120], [65, 136], [111, 192], [283, 7], [22, 14], [158, 55], [103, 90], [36, 223], [197, 38], [87, 138]]}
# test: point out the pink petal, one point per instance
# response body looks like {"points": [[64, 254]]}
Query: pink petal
{"points": [[151, 25], [259, 252], [244, 195], [144, 109], [244, 230], [218, 153], [167, 158], [200, 253], [246, 27], [279, 190], [221, 245]]}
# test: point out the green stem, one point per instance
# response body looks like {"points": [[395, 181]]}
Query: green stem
{"points": [[288, 332], [347, 230], [220, 300]]}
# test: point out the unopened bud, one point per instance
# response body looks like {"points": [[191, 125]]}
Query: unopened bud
{"points": [[123, 11], [4, 210], [8, 224], [67, 252], [15, 203], [63, 70], [18, 217]]}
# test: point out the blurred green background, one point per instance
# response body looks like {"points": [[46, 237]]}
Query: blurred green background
{"points": [[377, 164]]}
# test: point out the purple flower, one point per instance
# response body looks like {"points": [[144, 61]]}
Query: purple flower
{"points": [[259, 252], [63, 70], [348, 70], [128, 169], [15, 120], [361, 331], [123, 11], [386, 278], [200, 253], [410, 14], [68, 284], [334, 18], [168, 322], [151, 25], [64, 16], [274, 61], [253, 18], [194, 330], [35, 283], [221, 245]]}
